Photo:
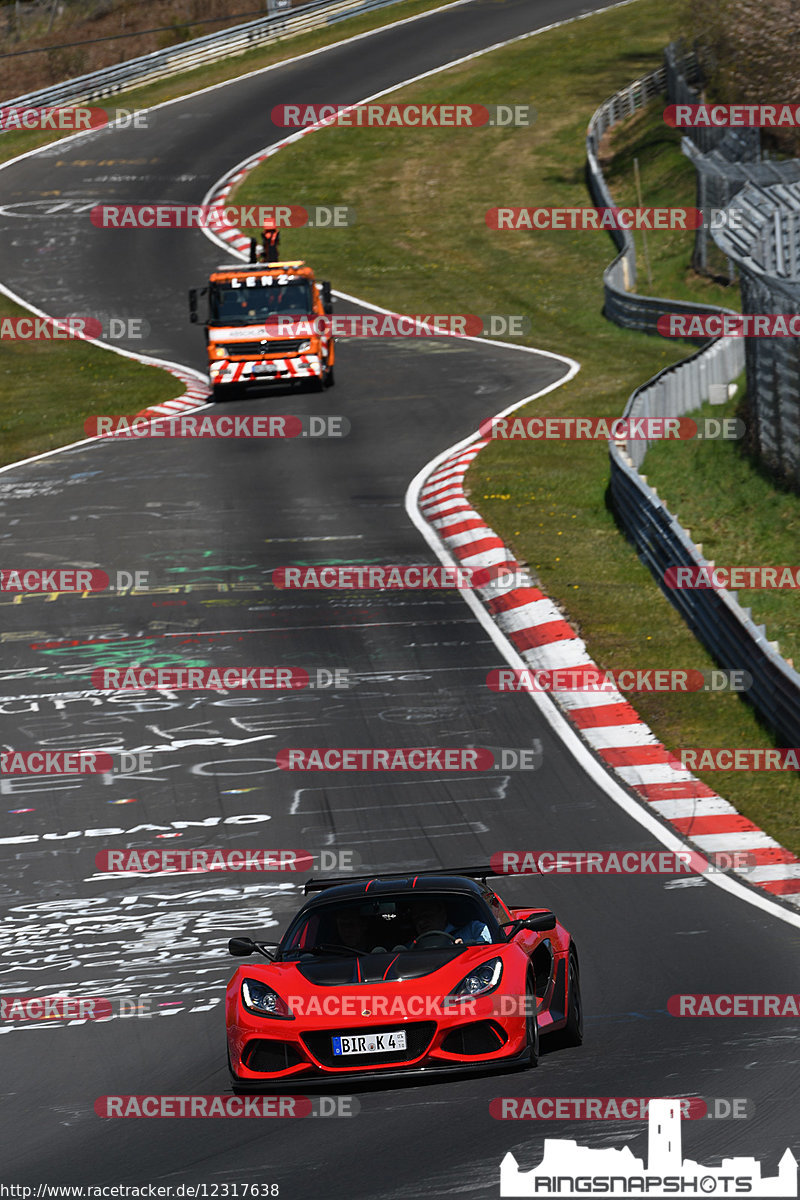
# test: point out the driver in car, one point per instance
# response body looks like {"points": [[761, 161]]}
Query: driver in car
{"points": [[352, 929], [431, 914]]}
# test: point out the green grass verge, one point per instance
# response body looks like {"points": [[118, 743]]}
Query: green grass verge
{"points": [[421, 245], [738, 516], [48, 389]]}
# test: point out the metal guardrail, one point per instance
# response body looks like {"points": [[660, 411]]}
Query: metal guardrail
{"points": [[622, 304], [715, 617], [197, 52], [766, 250]]}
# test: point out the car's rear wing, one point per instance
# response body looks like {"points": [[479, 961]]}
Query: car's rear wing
{"points": [[482, 873]]}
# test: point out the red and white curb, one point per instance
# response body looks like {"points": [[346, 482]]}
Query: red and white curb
{"points": [[607, 722], [195, 392]]}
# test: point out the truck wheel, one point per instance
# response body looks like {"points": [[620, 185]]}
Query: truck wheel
{"points": [[330, 378], [220, 392]]}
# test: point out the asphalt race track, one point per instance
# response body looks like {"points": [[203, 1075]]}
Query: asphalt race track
{"points": [[210, 520]]}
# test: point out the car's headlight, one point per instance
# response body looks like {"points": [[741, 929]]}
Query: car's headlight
{"points": [[260, 999], [480, 981], [218, 350], [303, 347]]}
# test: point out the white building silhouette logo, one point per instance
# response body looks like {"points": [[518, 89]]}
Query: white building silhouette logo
{"points": [[568, 1169]]}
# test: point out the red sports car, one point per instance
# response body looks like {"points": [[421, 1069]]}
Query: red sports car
{"points": [[411, 974]]}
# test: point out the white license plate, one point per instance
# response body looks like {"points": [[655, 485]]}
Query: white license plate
{"points": [[264, 368], [370, 1043]]}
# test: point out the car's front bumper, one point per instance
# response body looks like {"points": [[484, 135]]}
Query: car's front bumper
{"points": [[269, 370], [299, 1081]]}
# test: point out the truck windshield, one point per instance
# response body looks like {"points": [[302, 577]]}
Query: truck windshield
{"points": [[244, 305]]}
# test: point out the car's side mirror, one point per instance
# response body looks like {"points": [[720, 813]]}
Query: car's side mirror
{"points": [[540, 922], [241, 947], [327, 299], [193, 306]]}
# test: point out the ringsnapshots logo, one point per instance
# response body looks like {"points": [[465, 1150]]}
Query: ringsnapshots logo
{"points": [[568, 1169]]}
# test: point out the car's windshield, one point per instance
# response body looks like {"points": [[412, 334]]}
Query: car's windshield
{"points": [[393, 923], [236, 305]]}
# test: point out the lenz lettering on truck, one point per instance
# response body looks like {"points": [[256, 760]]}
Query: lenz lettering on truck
{"points": [[266, 324]]}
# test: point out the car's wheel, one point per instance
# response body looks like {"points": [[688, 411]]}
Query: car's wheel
{"points": [[315, 383], [531, 1025], [330, 378], [220, 392], [572, 1034]]}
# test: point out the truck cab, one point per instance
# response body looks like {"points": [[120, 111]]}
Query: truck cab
{"points": [[265, 323]]}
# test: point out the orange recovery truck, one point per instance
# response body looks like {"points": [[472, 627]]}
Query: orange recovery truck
{"points": [[265, 323]]}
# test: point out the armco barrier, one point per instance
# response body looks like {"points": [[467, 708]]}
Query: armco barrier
{"points": [[716, 617], [197, 52], [622, 304]]}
